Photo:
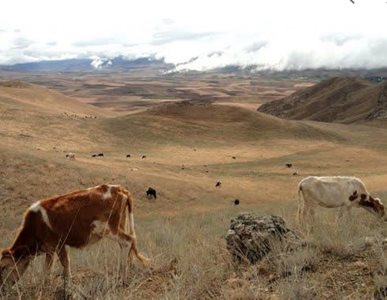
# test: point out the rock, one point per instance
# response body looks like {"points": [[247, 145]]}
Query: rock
{"points": [[251, 236]]}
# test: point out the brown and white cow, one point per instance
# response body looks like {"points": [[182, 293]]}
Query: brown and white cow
{"points": [[336, 192], [76, 219]]}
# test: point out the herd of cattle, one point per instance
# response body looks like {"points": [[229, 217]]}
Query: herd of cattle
{"points": [[71, 155], [86, 216]]}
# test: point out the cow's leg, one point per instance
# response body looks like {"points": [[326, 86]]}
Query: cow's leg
{"points": [[132, 241], [307, 217], [65, 261], [305, 214], [49, 263], [300, 213], [340, 214], [115, 225], [344, 212]]}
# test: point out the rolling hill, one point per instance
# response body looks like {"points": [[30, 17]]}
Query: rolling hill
{"points": [[189, 146], [197, 123], [344, 100], [31, 97]]}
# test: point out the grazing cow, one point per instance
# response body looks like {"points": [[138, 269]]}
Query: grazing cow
{"points": [[151, 193], [70, 156], [335, 191], [236, 202], [234, 157], [76, 219], [144, 156], [100, 154], [128, 155], [289, 165], [218, 184], [94, 155]]}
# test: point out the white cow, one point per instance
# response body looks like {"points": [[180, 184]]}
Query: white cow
{"points": [[335, 191]]}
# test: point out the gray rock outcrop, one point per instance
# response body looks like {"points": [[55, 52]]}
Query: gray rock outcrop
{"points": [[251, 237]]}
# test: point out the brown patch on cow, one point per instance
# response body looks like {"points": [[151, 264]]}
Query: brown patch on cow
{"points": [[375, 204], [366, 203], [378, 205], [103, 188], [353, 196]]}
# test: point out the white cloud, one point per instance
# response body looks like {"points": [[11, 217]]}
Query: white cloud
{"points": [[199, 34]]}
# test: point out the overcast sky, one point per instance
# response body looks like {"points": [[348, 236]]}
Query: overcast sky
{"points": [[199, 34]]}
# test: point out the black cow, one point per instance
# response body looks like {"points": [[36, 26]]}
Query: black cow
{"points": [[289, 165], [234, 157], [100, 154], [151, 193], [94, 155], [144, 156], [127, 155], [236, 202], [218, 184]]}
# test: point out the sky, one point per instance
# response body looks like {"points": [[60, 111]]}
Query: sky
{"points": [[199, 35]]}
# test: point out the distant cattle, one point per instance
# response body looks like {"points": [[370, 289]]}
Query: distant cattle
{"points": [[236, 202], [76, 219], [144, 156], [289, 165], [94, 155], [128, 155], [335, 192], [100, 154], [218, 184], [70, 156], [151, 193], [234, 157], [295, 173]]}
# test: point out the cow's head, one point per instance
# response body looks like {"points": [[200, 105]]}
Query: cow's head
{"points": [[13, 264], [373, 205]]}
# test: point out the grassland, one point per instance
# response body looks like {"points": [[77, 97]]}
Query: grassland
{"points": [[183, 230]]}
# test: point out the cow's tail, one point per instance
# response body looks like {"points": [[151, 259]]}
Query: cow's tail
{"points": [[300, 210], [130, 230]]}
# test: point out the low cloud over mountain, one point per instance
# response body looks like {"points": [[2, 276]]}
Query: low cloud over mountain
{"points": [[198, 35]]}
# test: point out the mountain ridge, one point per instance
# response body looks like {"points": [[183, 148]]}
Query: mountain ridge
{"points": [[343, 100]]}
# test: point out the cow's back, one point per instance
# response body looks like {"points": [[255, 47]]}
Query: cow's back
{"points": [[330, 190], [72, 215]]}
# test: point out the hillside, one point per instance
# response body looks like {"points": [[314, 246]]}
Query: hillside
{"points": [[193, 123], [188, 147], [344, 100], [20, 95]]}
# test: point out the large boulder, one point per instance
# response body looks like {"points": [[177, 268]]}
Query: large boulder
{"points": [[251, 237]]}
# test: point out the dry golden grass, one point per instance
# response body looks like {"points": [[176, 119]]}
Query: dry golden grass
{"points": [[183, 230]]}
